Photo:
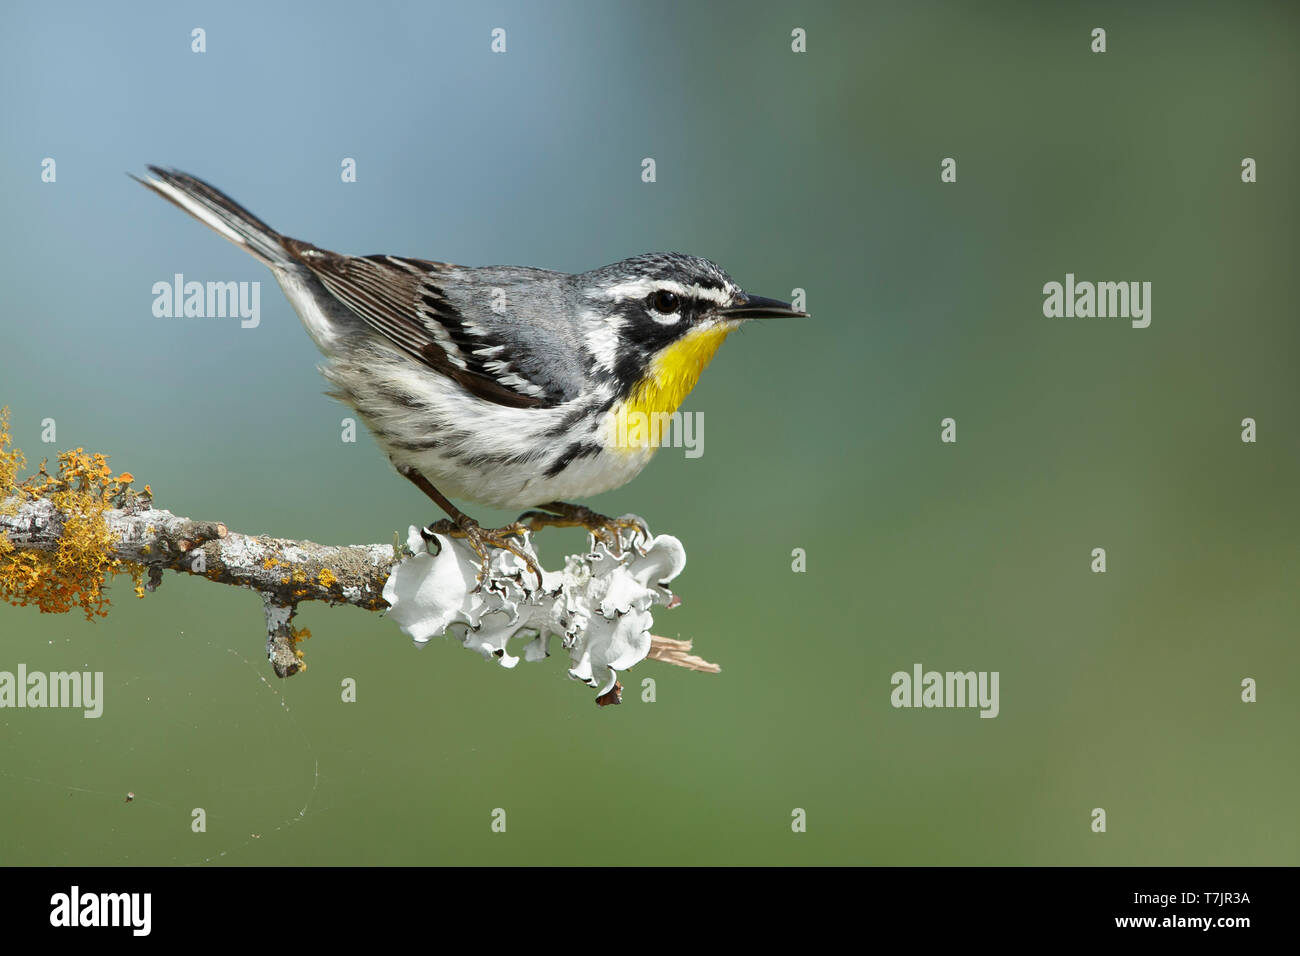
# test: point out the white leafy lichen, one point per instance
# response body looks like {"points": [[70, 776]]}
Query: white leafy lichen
{"points": [[598, 605]]}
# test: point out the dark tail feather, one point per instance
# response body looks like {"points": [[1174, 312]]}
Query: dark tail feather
{"points": [[219, 212]]}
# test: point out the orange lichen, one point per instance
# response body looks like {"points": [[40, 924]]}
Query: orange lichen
{"points": [[296, 636], [11, 463], [326, 578], [78, 569]]}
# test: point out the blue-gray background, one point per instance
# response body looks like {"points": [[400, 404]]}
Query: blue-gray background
{"points": [[817, 170]]}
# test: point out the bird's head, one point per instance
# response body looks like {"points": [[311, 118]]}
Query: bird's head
{"points": [[656, 320]]}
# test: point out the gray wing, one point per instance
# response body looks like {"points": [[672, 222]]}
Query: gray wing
{"points": [[500, 332]]}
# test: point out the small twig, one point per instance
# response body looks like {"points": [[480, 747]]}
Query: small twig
{"points": [[672, 651]]}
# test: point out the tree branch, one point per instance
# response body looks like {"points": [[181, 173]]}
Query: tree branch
{"points": [[286, 573]]}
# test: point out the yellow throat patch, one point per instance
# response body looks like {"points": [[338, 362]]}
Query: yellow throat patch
{"points": [[672, 375]]}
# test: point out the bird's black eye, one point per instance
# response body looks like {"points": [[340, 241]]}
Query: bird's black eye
{"points": [[665, 302]]}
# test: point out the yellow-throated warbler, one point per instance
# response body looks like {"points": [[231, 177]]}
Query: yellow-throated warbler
{"points": [[498, 384]]}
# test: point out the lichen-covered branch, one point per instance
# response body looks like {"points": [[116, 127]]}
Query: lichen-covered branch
{"points": [[291, 571], [284, 572], [149, 541], [64, 536]]}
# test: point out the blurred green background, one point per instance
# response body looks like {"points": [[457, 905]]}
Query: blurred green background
{"points": [[819, 171]]}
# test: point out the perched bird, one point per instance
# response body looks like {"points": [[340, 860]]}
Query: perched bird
{"points": [[498, 384]]}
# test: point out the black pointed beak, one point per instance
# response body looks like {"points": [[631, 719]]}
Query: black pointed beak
{"points": [[746, 306]]}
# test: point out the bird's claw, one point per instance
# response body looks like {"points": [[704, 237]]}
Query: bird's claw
{"points": [[608, 531], [482, 540]]}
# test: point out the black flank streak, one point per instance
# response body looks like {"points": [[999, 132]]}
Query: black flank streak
{"points": [[398, 397], [426, 445], [500, 460], [572, 453], [566, 424]]}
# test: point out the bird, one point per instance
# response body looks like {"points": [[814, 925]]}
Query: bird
{"points": [[500, 385]]}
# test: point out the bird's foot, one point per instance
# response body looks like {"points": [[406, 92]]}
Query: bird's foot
{"points": [[608, 531], [482, 540]]}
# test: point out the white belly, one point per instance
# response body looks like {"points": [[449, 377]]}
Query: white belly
{"points": [[524, 486], [459, 441]]}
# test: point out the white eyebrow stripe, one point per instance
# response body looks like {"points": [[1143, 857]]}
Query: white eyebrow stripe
{"points": [[640, 288]]}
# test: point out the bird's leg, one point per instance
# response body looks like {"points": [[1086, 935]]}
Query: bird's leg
{"points": [[461, 525], [609, 531]]}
